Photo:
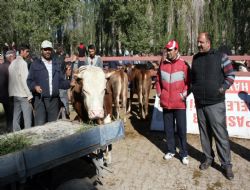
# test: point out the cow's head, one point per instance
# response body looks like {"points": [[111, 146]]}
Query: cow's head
{"points": [[93, 89]]}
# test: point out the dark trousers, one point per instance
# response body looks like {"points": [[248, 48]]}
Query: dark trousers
{"points": [[212, 123], [8, 112], [170, 117], [45, 110]]}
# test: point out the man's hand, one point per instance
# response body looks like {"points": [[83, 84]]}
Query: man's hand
{"points": [[38, 89], [183, 97], [68, 72], [222, 90]]}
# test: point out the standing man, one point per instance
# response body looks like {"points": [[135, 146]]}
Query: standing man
{"points": [[81, 50], [9, 56], [7, 101], [4, 94], [172, 86], [93, 59], [18, 89], [212, 74], [44, 80]]}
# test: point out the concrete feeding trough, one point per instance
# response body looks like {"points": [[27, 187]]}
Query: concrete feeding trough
{"points": [[53, 144]]}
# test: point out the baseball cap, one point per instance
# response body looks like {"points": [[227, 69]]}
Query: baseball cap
{"points": [[172, 44], [46, 44]]}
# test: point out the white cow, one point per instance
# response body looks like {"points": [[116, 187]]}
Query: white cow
{"points": [[88, 92]]}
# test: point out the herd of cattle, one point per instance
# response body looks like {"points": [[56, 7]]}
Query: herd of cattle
{"points": [[101, 95]]}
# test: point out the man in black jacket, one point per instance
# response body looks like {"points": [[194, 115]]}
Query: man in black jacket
{"points": [[212, 74], [44, 80]]}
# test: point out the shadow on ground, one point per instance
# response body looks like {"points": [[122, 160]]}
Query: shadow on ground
{"points": [[159, 140]]}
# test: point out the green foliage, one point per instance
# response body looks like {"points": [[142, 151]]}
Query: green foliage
{"points": [[87, 126], [143, 26], [13, 143]]}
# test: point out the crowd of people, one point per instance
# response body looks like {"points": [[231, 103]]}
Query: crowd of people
{"points": [[36, 91], [33, 93]]}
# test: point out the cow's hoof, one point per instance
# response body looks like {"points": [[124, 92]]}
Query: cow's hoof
{"points": [[107, 158]]}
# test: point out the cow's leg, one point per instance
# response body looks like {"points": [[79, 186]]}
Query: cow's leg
{"points": [[140, 99], [117, 105], [124, 95], [145, 106], [124, 103], [130, 100], [108, 107], [107, 157], [146, 99]]}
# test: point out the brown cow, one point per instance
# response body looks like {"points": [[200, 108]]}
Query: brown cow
{"points": [[116, 92], [140, 79]]}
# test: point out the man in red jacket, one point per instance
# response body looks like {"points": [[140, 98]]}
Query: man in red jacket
{"points": [[172, 87]]}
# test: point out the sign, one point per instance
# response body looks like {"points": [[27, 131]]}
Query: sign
{"points": [[237, 109]]}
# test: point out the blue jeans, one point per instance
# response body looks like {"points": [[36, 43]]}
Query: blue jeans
{"points": [[22, 105], [170, 117]]}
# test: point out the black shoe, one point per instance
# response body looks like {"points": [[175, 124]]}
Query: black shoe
{"points": [[229, 173], [205, 165]]}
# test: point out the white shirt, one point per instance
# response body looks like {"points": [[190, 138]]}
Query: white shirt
{"points": [[48, 65]]}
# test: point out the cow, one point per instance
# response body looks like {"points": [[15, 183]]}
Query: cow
{"points": [[90, 99], [88, 91], [116, 92], [140, 79]]}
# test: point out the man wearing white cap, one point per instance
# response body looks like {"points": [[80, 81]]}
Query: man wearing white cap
{"points": [[172, 89], [44, 80]]}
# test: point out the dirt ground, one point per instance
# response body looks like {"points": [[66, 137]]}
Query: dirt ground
{"points": [[138, 164]]}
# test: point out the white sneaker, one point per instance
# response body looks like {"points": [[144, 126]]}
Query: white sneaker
{"points": [[168, 156], [185, 160]]}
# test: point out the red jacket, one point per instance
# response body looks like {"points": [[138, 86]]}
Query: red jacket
{"points": [[172, 83]]}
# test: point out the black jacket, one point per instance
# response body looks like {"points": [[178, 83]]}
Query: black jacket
{"points": [[38, 75], [207, 77]]}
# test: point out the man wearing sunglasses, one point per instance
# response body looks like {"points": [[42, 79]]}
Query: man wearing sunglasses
{"points": [[44, 80], [172, 87]]}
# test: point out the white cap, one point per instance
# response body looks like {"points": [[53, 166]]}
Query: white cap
{"points": [[46, 44]]}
